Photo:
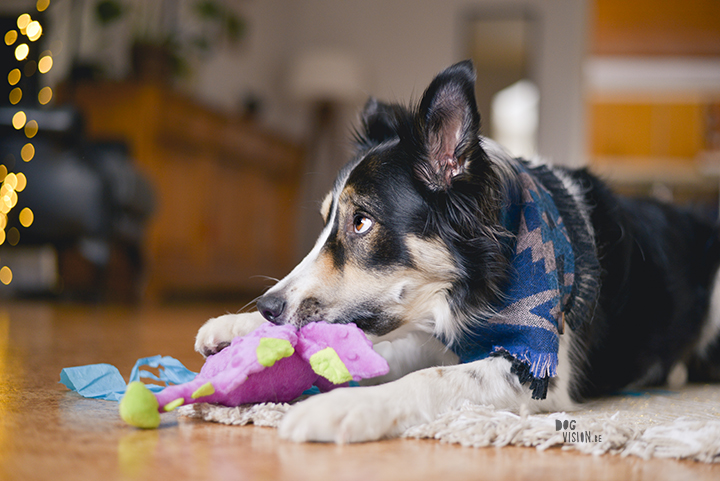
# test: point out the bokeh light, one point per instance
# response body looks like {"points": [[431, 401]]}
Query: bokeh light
{"points": [[21, 52], [6, 203], [34, 30], [21, 182], [13, 236], [26, 217], [42, 5], [6, 275], [19, 120], [45, 64], [45, 95], [14, 76], [23, 21], [15, 95], [11, 37], [30, 68], [9, 183], [27, 152], [31, 129]]}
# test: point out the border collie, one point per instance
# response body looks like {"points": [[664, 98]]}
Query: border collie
{"points": [[490, 279]]}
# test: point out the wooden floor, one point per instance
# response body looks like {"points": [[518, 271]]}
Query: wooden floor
{"points": [[47, 432]]}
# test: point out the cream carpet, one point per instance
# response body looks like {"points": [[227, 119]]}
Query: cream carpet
{"points": [[682, 424]]}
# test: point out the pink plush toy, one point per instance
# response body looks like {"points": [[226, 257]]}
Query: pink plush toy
{"points": [[272, 363]]}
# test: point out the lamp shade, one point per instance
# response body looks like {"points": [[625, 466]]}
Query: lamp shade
{"points": [[326, 75]]}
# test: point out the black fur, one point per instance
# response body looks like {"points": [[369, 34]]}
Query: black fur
{"points": [[658, 263]]}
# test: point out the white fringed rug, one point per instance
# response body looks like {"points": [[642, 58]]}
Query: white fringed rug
{"points": [[661, 424]]}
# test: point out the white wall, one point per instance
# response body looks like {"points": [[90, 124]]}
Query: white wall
{"points": [[402, 45]]}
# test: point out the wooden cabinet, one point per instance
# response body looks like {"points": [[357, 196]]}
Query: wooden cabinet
{"points": [[226, 190]]}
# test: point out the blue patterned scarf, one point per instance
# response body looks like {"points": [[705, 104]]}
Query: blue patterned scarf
{"points": [[530, 316]]}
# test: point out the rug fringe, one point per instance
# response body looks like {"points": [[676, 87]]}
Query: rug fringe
{"points": [[640, 426]]}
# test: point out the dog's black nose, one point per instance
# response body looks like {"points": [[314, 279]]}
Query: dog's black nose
{"points": [[272, 308]]}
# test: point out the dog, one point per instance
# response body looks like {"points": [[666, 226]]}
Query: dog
{"points": [[485, 278]]}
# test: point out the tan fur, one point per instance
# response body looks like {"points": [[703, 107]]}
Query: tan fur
{"points": [[325, 207]]}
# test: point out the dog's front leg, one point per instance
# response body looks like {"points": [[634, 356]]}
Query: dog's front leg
{"points": [[375, 412], [411, 352]]}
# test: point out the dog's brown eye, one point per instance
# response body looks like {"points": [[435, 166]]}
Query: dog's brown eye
{"points": [[361, 224]]}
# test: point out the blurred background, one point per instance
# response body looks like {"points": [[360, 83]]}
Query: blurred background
{"points": [[168, 150]]}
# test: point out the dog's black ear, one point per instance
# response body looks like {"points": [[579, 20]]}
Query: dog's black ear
{"points": [[379, 122], [448, 123]]}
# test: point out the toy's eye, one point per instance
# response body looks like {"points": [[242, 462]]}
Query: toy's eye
{"points": [[361, 224]]}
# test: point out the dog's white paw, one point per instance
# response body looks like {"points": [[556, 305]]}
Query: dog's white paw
{"points": [[216, 334], [346, 415]]}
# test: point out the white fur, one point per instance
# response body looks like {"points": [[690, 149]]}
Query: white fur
{"points": [[711, 326], [376, 412], [409, 352]]}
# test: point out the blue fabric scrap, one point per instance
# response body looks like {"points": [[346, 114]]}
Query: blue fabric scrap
{"points": [[104, 381]]}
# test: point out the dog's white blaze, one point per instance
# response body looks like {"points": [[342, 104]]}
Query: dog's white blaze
{"points": [[305, 269]]}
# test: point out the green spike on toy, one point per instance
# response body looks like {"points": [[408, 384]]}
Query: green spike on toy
{"points": [[139, 407], [271, 350], [205, 390], [328, 364], [173, 405]]}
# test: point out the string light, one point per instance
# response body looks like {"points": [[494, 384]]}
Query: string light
{"points": [[45, 95], [30, 68], [34, 30], [31, 129], [27, 152], [45, 64], [19, 119], [26, 217], [21, 182], [21, 52], [10, 37], [13, 236], [11, 183], [14, 76], [23, 21], [15, 95], [6, 275]]}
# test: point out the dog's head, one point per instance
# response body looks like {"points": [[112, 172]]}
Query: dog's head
{"points": [[410, 230]]}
